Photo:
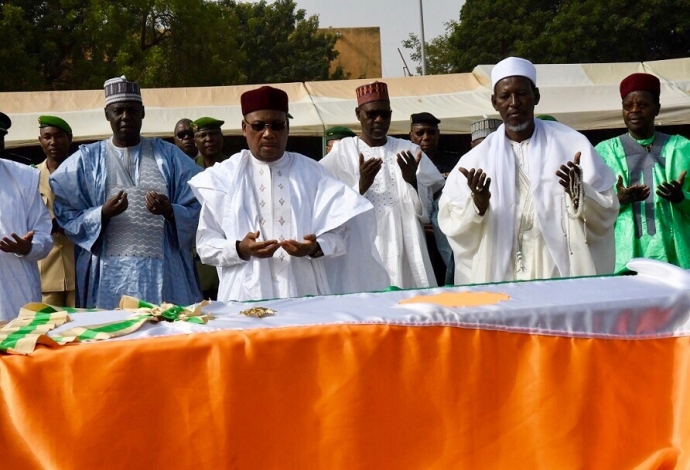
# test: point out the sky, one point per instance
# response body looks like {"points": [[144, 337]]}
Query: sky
{"points": [[396, 18]]}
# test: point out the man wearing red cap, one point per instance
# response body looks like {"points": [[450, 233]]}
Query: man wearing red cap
{"points": [[275, 223], [398, 179], [654, 219]]}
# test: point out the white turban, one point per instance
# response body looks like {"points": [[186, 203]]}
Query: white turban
{"points": [[513, 67]]}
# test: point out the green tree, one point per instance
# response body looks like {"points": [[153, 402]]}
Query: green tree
{"points": [[16, 74], [280, 44], [438, 57], [70, 44], [564, 31]]}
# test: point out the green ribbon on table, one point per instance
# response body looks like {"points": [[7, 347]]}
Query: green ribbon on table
{"points": [[31, 327], [143, 312], [35, 320]]}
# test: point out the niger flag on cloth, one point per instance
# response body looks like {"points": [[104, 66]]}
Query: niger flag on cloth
{"points": [[590, 373]]}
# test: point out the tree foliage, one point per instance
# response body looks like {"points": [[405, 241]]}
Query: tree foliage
{"points": [[70, 44], [561, 31], [438, 53]]}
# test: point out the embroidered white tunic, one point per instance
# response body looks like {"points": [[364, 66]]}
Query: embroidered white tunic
{"points": [[529, 212], [400, 209], [270, 182], [285, 200], [530, 258]]}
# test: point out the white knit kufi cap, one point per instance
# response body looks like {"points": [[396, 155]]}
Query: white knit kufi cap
{"points": [[484, 127], [513, 67], [119, 89]]}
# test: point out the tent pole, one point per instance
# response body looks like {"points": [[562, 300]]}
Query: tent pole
{"points": [[423, 42]]}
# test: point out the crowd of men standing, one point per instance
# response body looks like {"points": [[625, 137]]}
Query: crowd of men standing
{"points": [[179, 222]]}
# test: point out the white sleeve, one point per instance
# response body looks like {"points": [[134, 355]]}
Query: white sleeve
{"points": [[40, 222], [467, 233], [211, 245], [332, 243], [594, 230]]}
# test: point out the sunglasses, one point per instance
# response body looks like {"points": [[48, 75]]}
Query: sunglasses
{"points": [[384, 113], [182, 134], [260, 126]]}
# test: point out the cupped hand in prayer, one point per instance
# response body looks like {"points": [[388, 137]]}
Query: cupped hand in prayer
{"points": [[634, 193], [114, 206], [310, 247], [249, 247], [408, 165], [564, 172], [564, 176], [159, 204], [367, 172], [18, 245], [673, 190], [479, 184]]}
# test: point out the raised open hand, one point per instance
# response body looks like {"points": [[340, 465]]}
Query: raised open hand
{"points": [[158, 204], [114, 206], [310, 247], [408, 166], [249, 247], [367, 172], [634, 193], [673, 190], [18, 245], [479, 184]]}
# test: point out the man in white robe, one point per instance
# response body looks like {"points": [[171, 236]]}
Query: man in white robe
{"points": [[275, 223], [534, 200], [25, 227], [398, 179]]}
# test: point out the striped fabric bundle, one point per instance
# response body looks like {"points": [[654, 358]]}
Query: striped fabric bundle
{"points": [[31, 327], [35, 320]]}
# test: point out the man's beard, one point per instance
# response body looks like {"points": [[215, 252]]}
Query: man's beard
{"points": [[518, 128]]}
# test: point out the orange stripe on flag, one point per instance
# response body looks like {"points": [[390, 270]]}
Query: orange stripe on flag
{"points": [[350, 396]]}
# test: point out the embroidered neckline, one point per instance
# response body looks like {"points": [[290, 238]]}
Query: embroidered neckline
{"points": [[646, 143]]}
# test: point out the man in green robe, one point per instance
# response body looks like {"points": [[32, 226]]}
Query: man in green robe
{"points": [[654, 219]]}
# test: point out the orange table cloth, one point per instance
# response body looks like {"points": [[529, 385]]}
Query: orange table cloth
{"points": [[343, 396], [350, 397]]}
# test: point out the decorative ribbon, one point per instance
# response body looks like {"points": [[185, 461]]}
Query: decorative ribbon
{"points": [[31, 327], [35, 320]]}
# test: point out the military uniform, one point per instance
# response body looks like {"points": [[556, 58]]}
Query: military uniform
{"points": [[57, 269]]}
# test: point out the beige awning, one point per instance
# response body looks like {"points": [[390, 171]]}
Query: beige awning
{"points": [[583, 96]]}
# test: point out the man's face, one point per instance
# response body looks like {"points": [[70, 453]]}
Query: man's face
{"points": [[209, 142], [266, 132], [184, 138], [426, 136], [330, 144], [55, 143], [476, 142], [639, 110], [125, 120], [375, 118], [515, 98]]}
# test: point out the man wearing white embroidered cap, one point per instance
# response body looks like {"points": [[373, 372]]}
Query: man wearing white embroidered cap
{"points": [[125, 203], [534, 200]]}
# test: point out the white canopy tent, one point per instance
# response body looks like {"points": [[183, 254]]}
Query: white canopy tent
{"points": [[583, 96]]}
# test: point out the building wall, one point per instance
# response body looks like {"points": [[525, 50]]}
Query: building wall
{"points": [[360, 52]]}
